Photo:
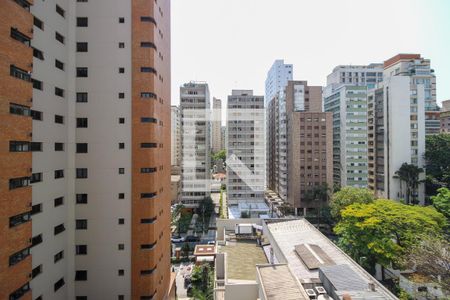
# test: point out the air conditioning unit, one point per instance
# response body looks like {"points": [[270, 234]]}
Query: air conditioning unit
{"points": [[311, 293], [320, 290]]}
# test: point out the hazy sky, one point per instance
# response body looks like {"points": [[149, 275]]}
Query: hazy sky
{"points": [[231, 44]]}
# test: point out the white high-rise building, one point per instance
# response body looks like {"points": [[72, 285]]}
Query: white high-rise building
{"points": [[277, 79], [196, 143], [246, 164], [216, 126], [396, 124], [346, 97], [175, 150]]}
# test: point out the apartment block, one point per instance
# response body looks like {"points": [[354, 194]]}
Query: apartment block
{"points": [[246, 162], [216, 126], [397, 124], [85, 114], [309, 146], [346, 98], [196, 143], [277, 79], [175, 136], [445, 117]]}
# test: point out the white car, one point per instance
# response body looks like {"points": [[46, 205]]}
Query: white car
{"points": [[177, 239]]}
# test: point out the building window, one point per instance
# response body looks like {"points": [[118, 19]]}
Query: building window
{"points": [[148, 95], [81, 297], [19, 256], [148, 70], [121, 170], [81, 173], [120, 297], [17, 294], [121, 246], [38, 23], [58, 229], [59, 284], [37, 84], [60, 11], [148, 246], [121, 70], [59, 64], [121, 272], [35, 209], [36, 177], [148, 19], [58, 201], [59, 146], [59, 37], [19, 219], [19, 36], [81, 249], [82, 72], [82, 97], [148, 45], [36, 115], [121, 20], [82, 122], [121, 221], [82, 148], [58, 256], [36, 240], [148, 220], [82, 22], [121, 95], [82, 47], [21, 110], [148, 120], [81, 224], [59, 119], [148, 170], [59, 174], [121, 45], [35, 146], [147, 272], [59, 92], [82, 198], [19, 73], [121, 145], [121, 196], [148, 195], [17, 146], [36, 271], [149, 145], [121, 120]]}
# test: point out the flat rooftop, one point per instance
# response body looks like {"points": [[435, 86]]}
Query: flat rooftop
{"points": [[278, 283], [242, 257]]}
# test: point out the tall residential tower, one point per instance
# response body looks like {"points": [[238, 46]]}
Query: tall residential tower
{"points": [[216, 126]]}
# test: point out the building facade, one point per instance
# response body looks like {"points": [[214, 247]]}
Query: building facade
{"points": [[246, 162], [216, 126], [91, 186], [277, 79], [175, 136], [195, 143], [346, 98], [396, 124], [445, 117], [309, 158]]}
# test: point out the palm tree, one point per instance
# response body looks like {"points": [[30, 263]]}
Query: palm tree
{"points": [[409, 174]]}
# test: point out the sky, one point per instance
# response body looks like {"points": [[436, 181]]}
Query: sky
{"points": [[231, 44]]}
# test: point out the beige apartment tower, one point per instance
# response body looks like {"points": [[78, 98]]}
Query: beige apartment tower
{"points": [[216, 126], [84, 149]]}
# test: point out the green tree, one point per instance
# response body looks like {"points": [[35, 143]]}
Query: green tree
{"points": [[222, 154], [409, 174], [437, 162], [202, 280], [384, 231], [347, 196], [442, 202]]}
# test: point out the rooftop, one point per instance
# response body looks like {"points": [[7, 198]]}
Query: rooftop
{"points": [[204, 250], [242, 256], [278, 283]]}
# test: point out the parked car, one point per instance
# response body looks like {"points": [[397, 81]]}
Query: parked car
{"points": [[177, 239], [191, 238], [211, 242]]}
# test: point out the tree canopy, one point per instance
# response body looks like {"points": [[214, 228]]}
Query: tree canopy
{"points": [[347, 196], [437, 162], [222, 154], [442, 202], [384, 230], [409, 174]]}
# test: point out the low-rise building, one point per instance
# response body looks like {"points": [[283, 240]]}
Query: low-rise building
{"points": [[445, 116]]}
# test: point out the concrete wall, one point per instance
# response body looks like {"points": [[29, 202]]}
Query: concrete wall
{"points": [[241, 291]]}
